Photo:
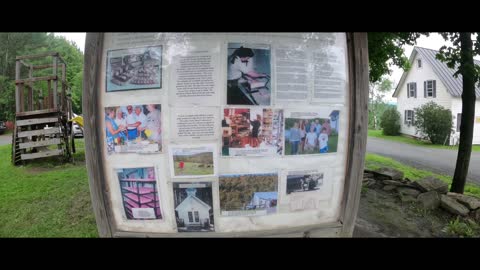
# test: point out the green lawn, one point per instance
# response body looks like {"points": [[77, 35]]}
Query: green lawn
{"points": [[192, 168], [373, 162], [45, 198], [404, 139]]}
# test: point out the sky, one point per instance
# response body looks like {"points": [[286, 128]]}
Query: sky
{"points": [[78, 38]]}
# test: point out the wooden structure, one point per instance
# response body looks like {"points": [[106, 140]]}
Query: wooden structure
{"points": [[43, 108], [355, 145]]}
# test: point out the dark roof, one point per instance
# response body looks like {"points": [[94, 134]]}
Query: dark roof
{"points": [[453, 85]]}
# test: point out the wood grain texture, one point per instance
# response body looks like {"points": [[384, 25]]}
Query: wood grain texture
{"points": [[17, 87], [324, 230], [93, 135], [34, 121], [39, 143], [53, 130], [36, 79], [358, 124], [33, 56], [50, 153]]}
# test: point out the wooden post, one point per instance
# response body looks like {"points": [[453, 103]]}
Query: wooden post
{"points": [[40, 99], [50, 95], [358, 124], [30, 90], [55, 83], [94, 135], [64, 80], [22, 97], [17, 86]]}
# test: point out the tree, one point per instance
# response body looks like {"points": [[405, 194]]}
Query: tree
{"points": [[77, 89], [15, 44], [7, 98], [390, 122], [377, 105], [386, 46], [460, 57], [433, 122]]}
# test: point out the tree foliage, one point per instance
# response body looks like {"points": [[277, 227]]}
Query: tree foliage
{"points": [[390, 122], [433, 122], [384, 47], [237, 192], [16, 44], [377, 105]]}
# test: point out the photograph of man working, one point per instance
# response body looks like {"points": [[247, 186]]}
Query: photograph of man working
{"points": [[248, 75], [252, 131]]}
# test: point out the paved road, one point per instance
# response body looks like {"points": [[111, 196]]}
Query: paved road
{"points": [[436, 160], [5, 139]]}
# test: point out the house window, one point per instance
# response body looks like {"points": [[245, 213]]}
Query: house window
{"points": [[412, 89], [197, 216], [419, 63], [430, 88], [190, 217], [459, 121], [409, 114]]}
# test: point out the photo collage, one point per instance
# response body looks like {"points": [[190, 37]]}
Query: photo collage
{"points": [[252, 126]]}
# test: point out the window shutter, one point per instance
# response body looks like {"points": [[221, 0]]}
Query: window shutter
{"points": [[425, 89], [413, 117], [415, 86], [405, 120], [459, 121], [434, 88], [408, 90]]}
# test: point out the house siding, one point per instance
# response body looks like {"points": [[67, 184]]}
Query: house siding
{"points": [[192, 205], [419, 75], [456, 109]]}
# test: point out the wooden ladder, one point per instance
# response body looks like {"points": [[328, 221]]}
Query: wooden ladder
{"points": [[16, 153], [28, 129]]}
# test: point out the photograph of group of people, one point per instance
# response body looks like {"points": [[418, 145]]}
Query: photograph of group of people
{"points": [[252, 131], [133, 128], [135, 68], [311, 135]]}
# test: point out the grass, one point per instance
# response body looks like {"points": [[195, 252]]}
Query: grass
{"points": [[462, 229], [191, 168], [332, 147], [45, 198], [373, 162], [404, 139]]}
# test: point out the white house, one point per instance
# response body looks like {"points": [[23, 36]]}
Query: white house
{"points": [[192, 210], [430, 79], [262, 200]]}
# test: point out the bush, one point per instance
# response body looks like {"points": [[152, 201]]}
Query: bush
{"points": [[433, 122], [390, 122]]}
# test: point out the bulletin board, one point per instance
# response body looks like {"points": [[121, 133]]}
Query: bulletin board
{"points": [[225, 134]]}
